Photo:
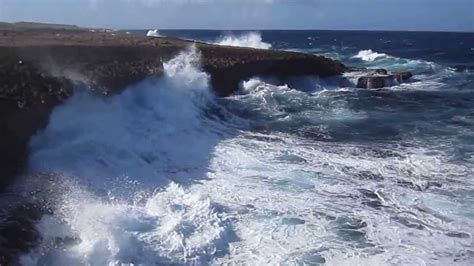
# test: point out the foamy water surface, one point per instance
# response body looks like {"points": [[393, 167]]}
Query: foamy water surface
{"points": [[302, 173]]}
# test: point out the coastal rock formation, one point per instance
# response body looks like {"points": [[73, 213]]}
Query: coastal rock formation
{"points": [[39, 67], [402, 76], [381, 78], [110, 61], [26, 99], [381, 71]]}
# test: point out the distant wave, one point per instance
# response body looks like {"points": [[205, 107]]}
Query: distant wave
{"points": [[369, 55], [153, 33], [251, 40]]}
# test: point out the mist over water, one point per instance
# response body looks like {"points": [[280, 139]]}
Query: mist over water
{"points": [[302, 173], [122, 163]]}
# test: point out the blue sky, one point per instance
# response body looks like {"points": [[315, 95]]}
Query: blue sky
{"points": [[436, 15]]}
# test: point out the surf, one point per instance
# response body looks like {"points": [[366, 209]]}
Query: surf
{"points": [[141, 147], [250, 40], [281, 172]]}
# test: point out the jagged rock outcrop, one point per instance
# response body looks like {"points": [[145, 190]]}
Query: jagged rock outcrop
{"points": [[110, 61], [381, 78], [39, 67], [402, 76], [26, 100]]}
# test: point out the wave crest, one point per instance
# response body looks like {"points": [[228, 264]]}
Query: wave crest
{"points": [[153, 136], [153, 33], [369, 55], [251, 40]]}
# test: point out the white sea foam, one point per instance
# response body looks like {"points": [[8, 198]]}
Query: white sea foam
{"points": [[150, 177], [113, 155], [171, 226], [281, 222], [393, 63], [369, 55], [251, 39], [429, 76], [153, 33], [113, 136]]}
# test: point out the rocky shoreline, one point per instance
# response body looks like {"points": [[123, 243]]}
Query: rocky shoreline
{"points": [[39, 66]]}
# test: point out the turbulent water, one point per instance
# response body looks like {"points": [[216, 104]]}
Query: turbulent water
{"points": [[251, 39], [299, 173]]}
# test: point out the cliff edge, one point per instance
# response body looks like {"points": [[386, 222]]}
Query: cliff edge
{"points": [[39, 66]]}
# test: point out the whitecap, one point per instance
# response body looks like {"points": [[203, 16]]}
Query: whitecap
{"points": [[251, 40], [369, 55], [153, 33], [123, 163], [173, 225]]}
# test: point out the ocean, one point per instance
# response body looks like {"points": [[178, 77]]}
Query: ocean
{"points": [[304, 172]]}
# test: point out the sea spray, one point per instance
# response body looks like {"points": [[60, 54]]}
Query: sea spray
{"points": [[120, 160], [369, 55], [153, 33], [324, 175], [170, 226], [251, 40]]}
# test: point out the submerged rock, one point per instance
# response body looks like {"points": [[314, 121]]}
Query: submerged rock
{"points": [[381, 78], [402, 76], [374, 82], [381, 71]]}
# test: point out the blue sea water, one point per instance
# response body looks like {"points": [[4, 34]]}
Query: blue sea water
{"points": [[306, 172]]}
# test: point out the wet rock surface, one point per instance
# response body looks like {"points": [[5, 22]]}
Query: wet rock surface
{"points": [[40, 66], [18, 232], [26, 99], [382, 78], [109, 61]]}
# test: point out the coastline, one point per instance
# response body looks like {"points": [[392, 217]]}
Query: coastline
{"points": [[114, 148], [41, 64]]}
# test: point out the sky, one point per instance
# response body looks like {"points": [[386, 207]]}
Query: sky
{"points": [[412, 15]]}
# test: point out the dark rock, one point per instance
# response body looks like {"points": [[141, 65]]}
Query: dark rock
{"points": [[375, 82], [18, 231], [381, 71], [26, 99], [382, 79], [402, 76], [38, 68], [225, 79], [111, 61]]}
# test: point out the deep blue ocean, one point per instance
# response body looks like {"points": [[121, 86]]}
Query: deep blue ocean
{"points": [[452, 49], [302, 173]]}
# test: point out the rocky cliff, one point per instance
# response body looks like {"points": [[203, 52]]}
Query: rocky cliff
{"points": [[39, 68]]}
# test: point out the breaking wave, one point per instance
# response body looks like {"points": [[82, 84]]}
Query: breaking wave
{"points": [[251, 40], [119, 165], [153, 33], [369, 55], [299, 173]]}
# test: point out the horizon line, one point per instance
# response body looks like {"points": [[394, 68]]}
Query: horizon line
{"points": [[246, 29], [308, 29]]}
